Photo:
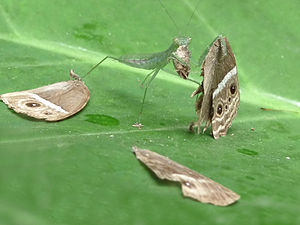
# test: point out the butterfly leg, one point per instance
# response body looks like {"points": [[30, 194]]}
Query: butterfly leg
{"points": [[74, 76], [208, 123], [194, 125], [197, 91], [197, 124]]}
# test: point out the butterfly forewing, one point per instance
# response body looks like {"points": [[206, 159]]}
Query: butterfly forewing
{"points": [[52, 102]]}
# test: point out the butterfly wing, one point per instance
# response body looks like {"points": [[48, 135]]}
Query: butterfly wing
{"points": [[52, 103], [193, 184], [226, 97], [211, 78]]}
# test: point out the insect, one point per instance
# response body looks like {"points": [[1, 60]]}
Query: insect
{"points": [[53, 102], [220, 96], [177, 52]]}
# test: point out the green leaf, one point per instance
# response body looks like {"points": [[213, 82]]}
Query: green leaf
{"points": [[82, 171]]}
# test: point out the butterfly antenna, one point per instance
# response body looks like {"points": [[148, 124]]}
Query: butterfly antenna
{"points": [[194, 12], [172, 19]]}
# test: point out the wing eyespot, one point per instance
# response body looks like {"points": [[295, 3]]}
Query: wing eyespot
{"points": [[219, 110], [33, 104], [233, 88]]}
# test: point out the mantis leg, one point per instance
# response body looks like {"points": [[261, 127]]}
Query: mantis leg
{"points": [[175, 74], [194, 81], [174, 56], [142, 84], [94, 67], [155, 72], [197, 64]]}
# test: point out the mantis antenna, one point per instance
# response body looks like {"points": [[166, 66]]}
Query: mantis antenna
{"points": [[193, 13], [172, 19]]}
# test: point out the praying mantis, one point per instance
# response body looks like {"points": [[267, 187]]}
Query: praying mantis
{"points": [[177, 52]]}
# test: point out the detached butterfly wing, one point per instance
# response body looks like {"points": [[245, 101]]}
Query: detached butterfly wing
{"points": [[54, 102], [193, 184]]}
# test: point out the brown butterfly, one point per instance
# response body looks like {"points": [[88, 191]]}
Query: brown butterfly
{"points": [[220, 95]]}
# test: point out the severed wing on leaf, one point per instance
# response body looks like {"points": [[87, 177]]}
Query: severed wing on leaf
{"points": [[193, 184], [53, 102]]}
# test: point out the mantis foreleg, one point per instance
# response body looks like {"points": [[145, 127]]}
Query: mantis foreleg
{"points": [[175, 74], [174, 56]]}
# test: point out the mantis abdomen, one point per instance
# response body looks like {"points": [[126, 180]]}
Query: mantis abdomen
{"points": [[148, 62]]}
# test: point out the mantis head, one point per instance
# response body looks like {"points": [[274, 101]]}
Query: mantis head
{"points": [[182, 41]]}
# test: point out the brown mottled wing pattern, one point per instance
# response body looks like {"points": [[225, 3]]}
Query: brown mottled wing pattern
{"points": [[52, 103], [209, 83], [228, 101], [183, 70], [218, 62], [226, 97], [194, 185]]}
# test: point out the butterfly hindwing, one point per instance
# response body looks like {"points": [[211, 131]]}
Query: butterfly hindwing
{"points": [[220, 88]]}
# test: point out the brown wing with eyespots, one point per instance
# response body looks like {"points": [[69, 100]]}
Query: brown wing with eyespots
{"points": [[52, 102], [226, 97], [225, 106]]}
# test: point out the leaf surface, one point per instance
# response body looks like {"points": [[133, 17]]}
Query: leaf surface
{"points": [[82, 171]]}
